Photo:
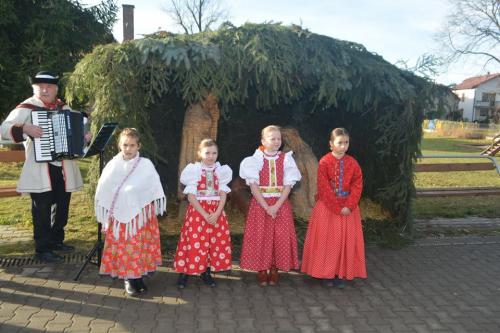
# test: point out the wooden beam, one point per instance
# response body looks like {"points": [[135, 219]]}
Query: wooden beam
{"points": [[446, 167], [12, 156], [456, 192], [8, 192]]}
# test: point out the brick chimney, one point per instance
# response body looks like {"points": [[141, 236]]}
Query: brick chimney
{"points": [[128, 22]]}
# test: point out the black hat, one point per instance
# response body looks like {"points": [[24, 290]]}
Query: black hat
{"points": [[44, 77]]}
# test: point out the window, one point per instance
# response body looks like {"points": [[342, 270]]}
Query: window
{"points": [[483, 113], [488, 97]]}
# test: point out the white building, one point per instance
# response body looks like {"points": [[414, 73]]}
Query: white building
{"points": [[479, 97]]}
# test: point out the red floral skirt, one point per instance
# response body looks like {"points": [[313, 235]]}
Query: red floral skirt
{"points": [[202, 245], [135, 256], [334, 245], [269, 242]]}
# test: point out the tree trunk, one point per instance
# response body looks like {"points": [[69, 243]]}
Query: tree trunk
{"points": [[303, 192], [200, 122]]}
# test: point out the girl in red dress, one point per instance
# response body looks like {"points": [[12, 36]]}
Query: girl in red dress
{"points": [[269, 241], [205, 243], [128, 197], [334, 248]]}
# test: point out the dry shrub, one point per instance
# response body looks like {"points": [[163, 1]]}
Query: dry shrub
{"points": [[458, 130], [372, 211], [474, 135], [460, 133]]}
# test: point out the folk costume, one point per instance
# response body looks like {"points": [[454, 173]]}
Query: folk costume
{"points": [[201, 245], [35, 176], [49, 183], [128, 197], [334, 245], [267, 242]]}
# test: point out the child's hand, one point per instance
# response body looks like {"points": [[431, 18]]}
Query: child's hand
{"points": [[270, 212], [212, 218], [88, 137], [345, 211], [273, 211]]}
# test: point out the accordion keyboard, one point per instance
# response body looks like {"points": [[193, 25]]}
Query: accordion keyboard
{"points": [[44, 145], [63, 135]]}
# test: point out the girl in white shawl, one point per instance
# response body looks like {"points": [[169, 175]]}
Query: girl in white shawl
{"points": [[129, 195]]}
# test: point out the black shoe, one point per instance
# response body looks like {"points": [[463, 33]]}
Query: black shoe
{"points": [[141, 286], [207, 278], [63, 247], [130, 287], [182, 281], [49, 257], [328, 282], [339, 283]]}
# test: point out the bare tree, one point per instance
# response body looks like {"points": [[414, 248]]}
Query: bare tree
{"points": [[472, 29], [197, 15]]}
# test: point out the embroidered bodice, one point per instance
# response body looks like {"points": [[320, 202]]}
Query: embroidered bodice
{"points": [[208, 185], [271, 173], [206, 182], [340, 182]]}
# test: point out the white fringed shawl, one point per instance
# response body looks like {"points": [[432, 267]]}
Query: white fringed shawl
{"points": [[123, 192]]}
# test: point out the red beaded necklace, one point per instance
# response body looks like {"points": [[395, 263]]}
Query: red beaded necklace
{"points": [[269, 155]]}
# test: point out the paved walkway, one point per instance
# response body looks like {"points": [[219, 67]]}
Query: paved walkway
{"points": [[476, 223], [435, 285]]}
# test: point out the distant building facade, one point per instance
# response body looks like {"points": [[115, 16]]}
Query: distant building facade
{"points": [[479, 98], [444, 104]]}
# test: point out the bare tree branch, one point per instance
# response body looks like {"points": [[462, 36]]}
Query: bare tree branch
{"points": [[195, 16], [472, 29]]}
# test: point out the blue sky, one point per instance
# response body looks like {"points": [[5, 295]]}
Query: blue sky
{"points": [[394, 29]]}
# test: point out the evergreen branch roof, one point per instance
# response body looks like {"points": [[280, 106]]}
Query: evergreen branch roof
{"points": [[267, 65]]}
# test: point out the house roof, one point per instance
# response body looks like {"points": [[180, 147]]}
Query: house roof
{"points": [[475, 81]]}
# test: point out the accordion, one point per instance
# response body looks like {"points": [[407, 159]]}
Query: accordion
{"points": [[63, 135]]}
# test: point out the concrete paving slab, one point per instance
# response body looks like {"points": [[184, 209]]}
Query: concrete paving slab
{"points": [[434, 285]]}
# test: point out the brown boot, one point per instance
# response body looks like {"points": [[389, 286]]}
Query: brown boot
{"points": [[262, 278], [273, 277]]}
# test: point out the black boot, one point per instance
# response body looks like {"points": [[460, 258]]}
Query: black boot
{"points": [[182, 281], [130, 287], [141, 286], [49, 257], [207, 278]]}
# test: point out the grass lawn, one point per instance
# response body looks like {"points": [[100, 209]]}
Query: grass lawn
{"points": [[81, 230], [454, 207], [82, 227]]}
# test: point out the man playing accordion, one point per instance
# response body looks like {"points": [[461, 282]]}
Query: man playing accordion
{"points": [[49, 183]]}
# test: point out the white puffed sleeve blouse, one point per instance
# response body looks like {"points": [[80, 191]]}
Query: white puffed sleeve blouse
{"points": [[191, 175], [291, 174], [251, 166], [224, 175]]}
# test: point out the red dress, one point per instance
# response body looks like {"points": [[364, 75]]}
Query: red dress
{"points": [[334, 244], [269, 242], [202, 245], [132, 257]]}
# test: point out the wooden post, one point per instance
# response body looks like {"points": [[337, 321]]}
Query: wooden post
{"points": [[303, 192], [200, 122]]}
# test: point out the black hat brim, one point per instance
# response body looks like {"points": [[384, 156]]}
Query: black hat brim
{"points": [[36, 80]]}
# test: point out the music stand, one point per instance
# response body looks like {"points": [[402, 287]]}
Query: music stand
{"points": [[97, 147]]}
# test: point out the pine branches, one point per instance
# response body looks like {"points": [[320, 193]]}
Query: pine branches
{"points": [[273, 68]]}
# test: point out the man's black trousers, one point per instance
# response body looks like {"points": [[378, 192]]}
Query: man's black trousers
{"points": [[50, 212]]}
